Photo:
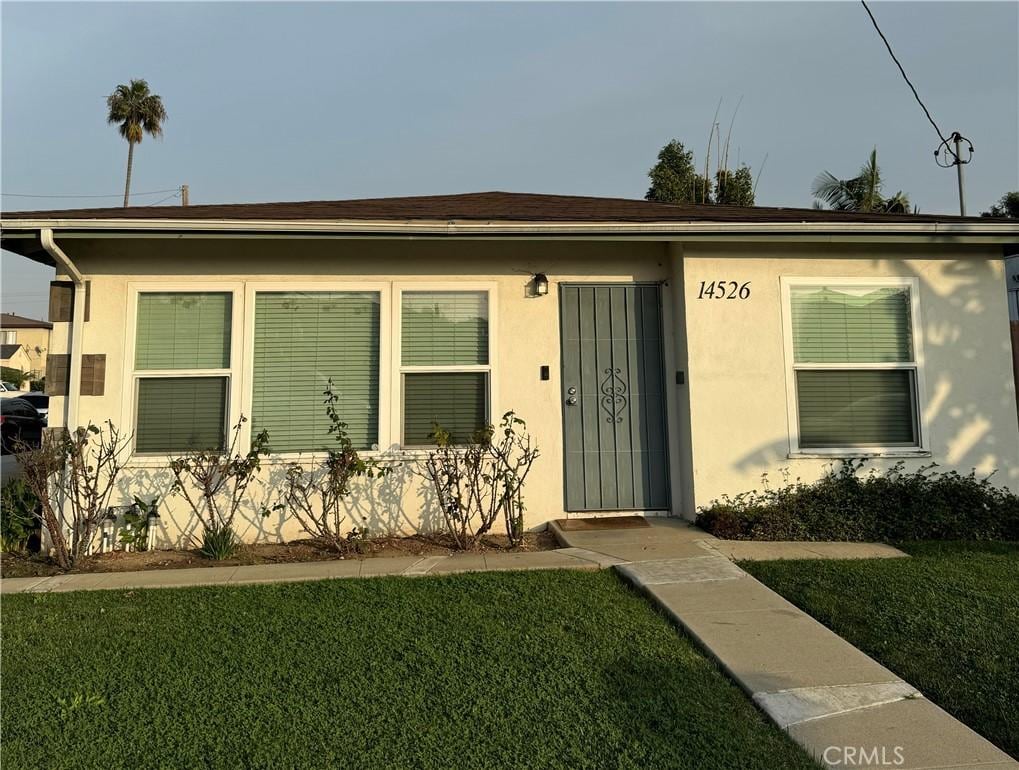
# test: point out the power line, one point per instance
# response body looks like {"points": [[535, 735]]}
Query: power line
{"points": [[161, 200], [114, 195], [952, 157], [904, 75]]}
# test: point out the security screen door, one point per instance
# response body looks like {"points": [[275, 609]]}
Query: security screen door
{"points": [[614, 427]]}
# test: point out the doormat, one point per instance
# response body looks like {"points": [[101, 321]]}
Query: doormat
{"points": [[606, 522]]}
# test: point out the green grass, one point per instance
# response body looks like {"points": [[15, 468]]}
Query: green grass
{"points": [[946, 620], [541, 669]]}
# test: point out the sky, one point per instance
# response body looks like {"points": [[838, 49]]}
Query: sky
{"points": [[305, 101]]}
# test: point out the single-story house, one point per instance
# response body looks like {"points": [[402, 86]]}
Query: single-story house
{"points": [[661, 355], [32, 337]]}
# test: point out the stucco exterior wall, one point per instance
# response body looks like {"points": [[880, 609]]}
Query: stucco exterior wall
{"points": [[728, 417], [739, 421], [527, 337]]}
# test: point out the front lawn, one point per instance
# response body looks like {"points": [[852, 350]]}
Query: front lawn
{"points": [[946, 620], [540, 669]]}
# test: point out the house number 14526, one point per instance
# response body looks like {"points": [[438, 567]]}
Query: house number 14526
{"points": [[724, 290]]}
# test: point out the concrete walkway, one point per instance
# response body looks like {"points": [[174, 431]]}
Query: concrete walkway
{"points": [[566, 558], [845, 708]]}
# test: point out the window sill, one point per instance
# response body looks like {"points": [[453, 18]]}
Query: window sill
{"points": [[846, 454], [289, 458]]}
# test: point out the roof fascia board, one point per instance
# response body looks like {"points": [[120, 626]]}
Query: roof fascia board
{"points": [[679, 230], [941, 238], [384, 226]]}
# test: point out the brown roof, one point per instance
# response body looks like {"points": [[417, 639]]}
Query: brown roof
{"points": [[6, 351], [484, 206], [11, 321]]}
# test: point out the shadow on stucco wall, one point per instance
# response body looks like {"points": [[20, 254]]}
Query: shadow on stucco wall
{"points": [[968, 378]]}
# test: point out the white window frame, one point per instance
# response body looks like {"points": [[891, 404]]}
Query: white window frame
{"points": [[382, 288], [129, 416], [399, 370], [922, 448], [9, 337]]}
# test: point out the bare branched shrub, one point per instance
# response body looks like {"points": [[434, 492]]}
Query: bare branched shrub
{"points": [[315, 497], [478, 481], [73, 474], [215, 483]]}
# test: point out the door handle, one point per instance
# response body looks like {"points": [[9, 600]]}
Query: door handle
{"points": [[571, 401]]}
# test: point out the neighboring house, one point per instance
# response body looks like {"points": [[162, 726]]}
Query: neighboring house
{"points": [[16, 357], [661, 355], [32, 336]]}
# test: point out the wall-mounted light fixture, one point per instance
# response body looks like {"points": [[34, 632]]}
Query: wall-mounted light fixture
{"points": [[540, 284]]}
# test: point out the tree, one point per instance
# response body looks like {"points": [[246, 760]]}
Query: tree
{"points": [[137, 112], [734, 188], [1007, 206], [860, 193], [674, 179]]}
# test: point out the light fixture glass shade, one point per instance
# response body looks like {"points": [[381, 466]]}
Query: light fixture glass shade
{"points": [[540, 284]]}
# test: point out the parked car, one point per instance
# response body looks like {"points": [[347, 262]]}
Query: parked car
{"points": [[19, 421], [39, 400], [9, 390]]}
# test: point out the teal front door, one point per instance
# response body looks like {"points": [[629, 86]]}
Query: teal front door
{"points": [[613, 377]]}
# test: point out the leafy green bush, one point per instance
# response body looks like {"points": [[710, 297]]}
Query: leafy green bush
{"points": [[846, 505], [17, 515]]}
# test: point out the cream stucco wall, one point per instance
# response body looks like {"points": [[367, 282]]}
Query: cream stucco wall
{"points": [[739, 421], [527, 337], [728, 423]]}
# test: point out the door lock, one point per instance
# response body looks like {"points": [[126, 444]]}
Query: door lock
{"points": [[572, 391]]}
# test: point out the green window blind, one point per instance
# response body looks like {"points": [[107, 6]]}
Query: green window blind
{"points": [[302, 340], [835, 324], [455, 400], [844, 408], [183, 330], [445, 328], [176, 414]]}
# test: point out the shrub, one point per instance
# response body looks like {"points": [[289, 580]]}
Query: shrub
{"points": [[10, 374], [480, 480], [73, 475], [18, 517], [214, 483], [844, 504], [134, 535], [316, 497]]}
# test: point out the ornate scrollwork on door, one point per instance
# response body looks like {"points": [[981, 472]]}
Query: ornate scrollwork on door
{"points": [[613, 400]]}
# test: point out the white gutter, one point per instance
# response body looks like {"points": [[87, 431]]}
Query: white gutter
{"points": [[494, 228], [77, 326]]}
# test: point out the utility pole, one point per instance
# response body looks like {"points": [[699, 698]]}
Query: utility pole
{"points": [[956, 139], [184, 194]]}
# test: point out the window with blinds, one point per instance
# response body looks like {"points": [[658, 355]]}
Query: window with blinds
{"points": [[182, 370], [854, 366], [445, 363], [303, 340], [183, 330]]}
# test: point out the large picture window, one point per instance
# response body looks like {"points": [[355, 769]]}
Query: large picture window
{"points": [[182, 370], [302, 340], [855, 370], [445, 363]]}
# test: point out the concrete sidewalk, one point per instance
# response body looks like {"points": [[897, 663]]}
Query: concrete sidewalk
{"points": [[845, 708], [567, 558]]}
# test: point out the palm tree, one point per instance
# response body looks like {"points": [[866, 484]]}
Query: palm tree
{"points": [[137, 112], [861, 193]]}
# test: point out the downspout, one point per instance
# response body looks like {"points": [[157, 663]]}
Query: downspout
{"points": [[77, 326]]}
